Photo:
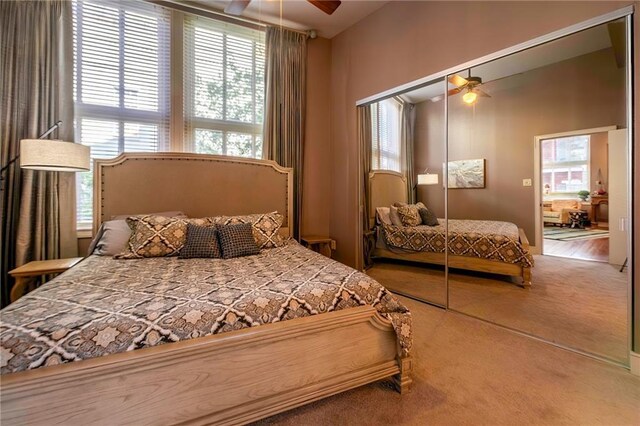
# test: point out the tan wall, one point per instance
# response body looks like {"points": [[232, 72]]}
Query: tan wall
{"points": [[404, 41], [580, 93], [317, 150]]}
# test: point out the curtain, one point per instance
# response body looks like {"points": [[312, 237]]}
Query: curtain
{"points": [[36, 79], [407, 115], [365, 140], [286, 74]]}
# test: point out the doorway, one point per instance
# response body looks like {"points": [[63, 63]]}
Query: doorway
{"points": [[572, 197]]}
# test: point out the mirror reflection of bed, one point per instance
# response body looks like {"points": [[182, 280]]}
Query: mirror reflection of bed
{"points": [[501, 184]]}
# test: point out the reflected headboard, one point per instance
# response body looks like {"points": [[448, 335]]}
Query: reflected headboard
{"points": [[199, 185], [385, 188]]}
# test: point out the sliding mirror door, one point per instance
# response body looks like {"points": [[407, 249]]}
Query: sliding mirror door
{"points": [[405, 243], [538, 191]]}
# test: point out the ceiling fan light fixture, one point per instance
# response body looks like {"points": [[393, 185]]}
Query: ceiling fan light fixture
{"points": [[470, 97]]}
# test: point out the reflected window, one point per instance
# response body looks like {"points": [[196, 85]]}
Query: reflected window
{"points": [[385, 135], [565, 164]]}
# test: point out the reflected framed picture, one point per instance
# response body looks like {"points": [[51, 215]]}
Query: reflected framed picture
{"points": [[466, 174]]}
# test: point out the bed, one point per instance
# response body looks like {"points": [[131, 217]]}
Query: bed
{"points": [[478, 245], [168, 340]]}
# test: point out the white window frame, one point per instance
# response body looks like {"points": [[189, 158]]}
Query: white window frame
{"points": [[376, 150], [564, 166]]}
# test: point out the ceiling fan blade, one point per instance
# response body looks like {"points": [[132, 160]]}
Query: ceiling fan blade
{"points": [[455, 91], [327, 6], [456, 80], [236, 7], [481, 93]]}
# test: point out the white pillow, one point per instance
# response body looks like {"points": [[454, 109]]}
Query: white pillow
{"points": [[383, 215], [394, 216]]}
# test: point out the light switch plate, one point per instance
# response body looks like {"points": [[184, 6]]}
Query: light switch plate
{"points": [[526, 182]]}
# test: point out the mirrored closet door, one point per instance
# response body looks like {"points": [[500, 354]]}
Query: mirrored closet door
{"points": [[406, 247], [538, 184]]}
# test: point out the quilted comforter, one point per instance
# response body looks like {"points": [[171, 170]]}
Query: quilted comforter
{"points": [[105, 306], [485, 239]]}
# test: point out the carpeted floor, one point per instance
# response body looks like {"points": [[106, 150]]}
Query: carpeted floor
{"points": [[575, 303], [468, 372]]}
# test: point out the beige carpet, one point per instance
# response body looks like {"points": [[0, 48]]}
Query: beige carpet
{"points": [[576, 303], [468, 372]]}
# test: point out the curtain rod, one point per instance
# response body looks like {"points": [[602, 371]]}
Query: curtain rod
{"points": [[201, 10]]}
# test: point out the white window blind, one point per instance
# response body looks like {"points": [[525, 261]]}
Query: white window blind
{"points": [[386, 144], [565, 164], [224, 88], [121, 90]]}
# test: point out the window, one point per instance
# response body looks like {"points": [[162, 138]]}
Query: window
{"points": [[385, 135], [121, 84], [224, 88], [565, 164]]}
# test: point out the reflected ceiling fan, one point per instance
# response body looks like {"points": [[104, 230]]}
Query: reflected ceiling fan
{"points": [[470, 85], [236, 7]]}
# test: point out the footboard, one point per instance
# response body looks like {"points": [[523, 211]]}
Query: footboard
{"points": [[230, 378]]}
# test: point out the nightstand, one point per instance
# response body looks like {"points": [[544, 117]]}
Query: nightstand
{"points": [[36, 269], [322, 245]]}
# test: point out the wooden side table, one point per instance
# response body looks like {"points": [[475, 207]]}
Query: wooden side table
{"points": [[36, 269], [320, 244]]}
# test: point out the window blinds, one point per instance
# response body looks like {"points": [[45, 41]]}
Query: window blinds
{"points": [[224, 87], [386, 144], [121, 90]]}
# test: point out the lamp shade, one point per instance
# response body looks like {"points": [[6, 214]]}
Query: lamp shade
{"points": [[58, 156], [428, 179]]}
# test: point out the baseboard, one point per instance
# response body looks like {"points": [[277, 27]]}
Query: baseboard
{"points": [[634, 360]]}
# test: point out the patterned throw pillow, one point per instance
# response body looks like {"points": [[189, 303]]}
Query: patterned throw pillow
{"points": [[409, 215], [237, 240], [154, 236], [202, 241], [265, 227], [427, 216]]}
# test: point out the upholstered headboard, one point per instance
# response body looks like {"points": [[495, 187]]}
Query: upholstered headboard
{"points": [[197, 184], [385, 188]]}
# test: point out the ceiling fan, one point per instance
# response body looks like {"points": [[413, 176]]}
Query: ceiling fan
{"points": [[236, 7], [470, 84]]}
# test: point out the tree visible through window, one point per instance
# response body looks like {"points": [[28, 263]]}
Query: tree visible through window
{"points": [[224, 88], [565, 164]]}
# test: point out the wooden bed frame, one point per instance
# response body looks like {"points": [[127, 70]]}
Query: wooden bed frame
{"points": [[229, 378], [387, 187]]}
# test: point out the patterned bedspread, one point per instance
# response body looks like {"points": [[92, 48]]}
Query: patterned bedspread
{"points": [[104, 306], [486, 239]]}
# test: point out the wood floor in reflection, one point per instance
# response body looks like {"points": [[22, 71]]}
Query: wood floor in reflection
{"points": [[596, 249]]}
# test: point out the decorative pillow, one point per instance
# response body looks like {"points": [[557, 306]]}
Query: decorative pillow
{"points": [[427, 216], [265, 227], [202, 241], [394, 216], [154, 236], [409, 215], [236, 240], [111, 238], [383, 215]]}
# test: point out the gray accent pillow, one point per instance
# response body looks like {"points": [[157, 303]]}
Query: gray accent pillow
{"points": [[236, 240], [394, 216], [202, 241], [111, 238], [427, 216]]}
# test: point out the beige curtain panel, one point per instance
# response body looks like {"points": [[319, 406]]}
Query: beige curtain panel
{"points": [[286, 73], [36, 77], [365, 141], [407, 124]]}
